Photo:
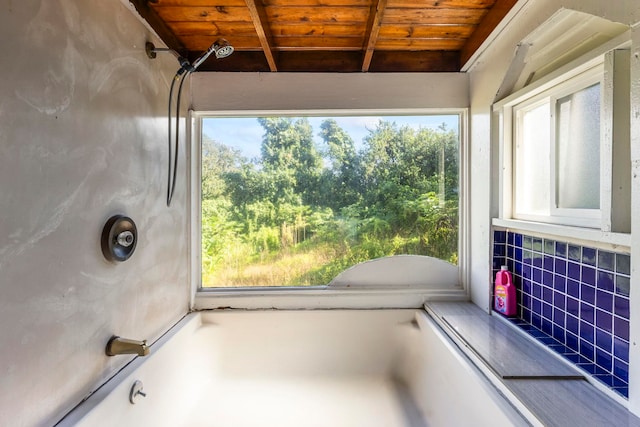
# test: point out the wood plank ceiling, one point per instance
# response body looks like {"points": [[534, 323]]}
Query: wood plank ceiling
{"points": [[327, 35]]}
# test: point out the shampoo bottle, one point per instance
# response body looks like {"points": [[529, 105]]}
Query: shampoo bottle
{"points": [[504, 293]]}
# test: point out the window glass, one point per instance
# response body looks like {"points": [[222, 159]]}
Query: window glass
{"points": [[294, 201], [578, 150], [532, 168]]}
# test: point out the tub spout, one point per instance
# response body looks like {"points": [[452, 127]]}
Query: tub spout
{"points": [[117, 345]]}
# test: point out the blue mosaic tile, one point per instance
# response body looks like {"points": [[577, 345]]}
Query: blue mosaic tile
{"points": [[517, 239], [558, 319], [573, 306], [536, 244], [547, 278], [589, 256], [605, 281], [587, 332], [572, 324], [589, 275], [588, 351], [560, 267], [561, 249], [620, 349], [549, 247], [588, 293], [536, 259], [621, 328], [621, 370], [604, 340], [559, 301], [623, 264], [606, 260], [622, 285], [574, 253], [604, 301], [572, 341], [573, 288], [587, 313], [604, 359], [560, 283], [573, 271], [621, 306], [592, 368], [574, 299], [604, 321]]}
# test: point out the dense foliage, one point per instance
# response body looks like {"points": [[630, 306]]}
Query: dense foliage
{"points": [[301, 214]]}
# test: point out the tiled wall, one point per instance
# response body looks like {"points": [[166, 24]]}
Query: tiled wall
{"points": [[573, 298]]}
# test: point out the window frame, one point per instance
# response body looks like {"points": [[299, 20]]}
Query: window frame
{"points": [[320, 296], [615, 202], [591, 218]]}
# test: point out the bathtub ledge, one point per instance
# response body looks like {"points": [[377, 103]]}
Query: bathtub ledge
{"points": [[545, 388]]}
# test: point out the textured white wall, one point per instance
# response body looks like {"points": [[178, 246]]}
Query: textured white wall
{"points": [[82, 137]]}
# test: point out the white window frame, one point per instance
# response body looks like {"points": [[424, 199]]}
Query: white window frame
{"points": [[615, 203], [317, 296], [564, 216]]}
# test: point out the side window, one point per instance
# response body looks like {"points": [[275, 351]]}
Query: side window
{"points": [[557, 154], [294, 201]]}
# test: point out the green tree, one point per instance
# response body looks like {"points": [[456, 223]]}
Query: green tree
{"points": [[341, 186]]}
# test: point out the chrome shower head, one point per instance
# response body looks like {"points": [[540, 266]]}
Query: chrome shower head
{"points": [[222, 48]]}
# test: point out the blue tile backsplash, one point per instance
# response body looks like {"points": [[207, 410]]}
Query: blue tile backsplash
{"points": [[575, 299]]}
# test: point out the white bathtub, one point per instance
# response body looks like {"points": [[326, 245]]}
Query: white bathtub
{"points": [[300, 368]]}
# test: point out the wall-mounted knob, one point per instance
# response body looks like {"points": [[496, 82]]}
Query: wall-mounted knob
{"points": [[136, 392], [119, 238]]}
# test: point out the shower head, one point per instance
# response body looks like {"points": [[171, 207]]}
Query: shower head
{"points": [[222, 49]]}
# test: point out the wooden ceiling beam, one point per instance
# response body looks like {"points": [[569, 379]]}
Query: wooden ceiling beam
{"points": [[158, 25], [485, 27], [373, 29], [261, 22]]}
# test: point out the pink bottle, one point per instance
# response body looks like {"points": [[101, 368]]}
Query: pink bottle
{"points": [[505, 293]]}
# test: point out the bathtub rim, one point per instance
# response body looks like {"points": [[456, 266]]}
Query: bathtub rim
{"points": [[114, 380]]}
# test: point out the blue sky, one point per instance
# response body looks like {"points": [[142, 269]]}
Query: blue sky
{"points": [[245, 133]]}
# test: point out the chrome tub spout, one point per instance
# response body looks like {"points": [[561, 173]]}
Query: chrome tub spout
{"points": [[117, 345]]}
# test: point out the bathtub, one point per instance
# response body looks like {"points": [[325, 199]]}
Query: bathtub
{"points": [[299, 368]]}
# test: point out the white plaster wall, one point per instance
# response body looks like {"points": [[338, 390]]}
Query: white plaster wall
{"points": [[485, 77], [82, 137]]}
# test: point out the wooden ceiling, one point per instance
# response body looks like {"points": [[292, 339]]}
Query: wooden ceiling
{"points": [[327, 35]]}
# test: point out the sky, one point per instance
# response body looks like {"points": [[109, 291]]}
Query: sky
{"points": [[245, 133]]}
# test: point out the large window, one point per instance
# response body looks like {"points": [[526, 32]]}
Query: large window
{"points": [[294, 201]]}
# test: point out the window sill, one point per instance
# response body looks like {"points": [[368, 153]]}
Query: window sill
{"points": [[323, 297], [620, 242]]}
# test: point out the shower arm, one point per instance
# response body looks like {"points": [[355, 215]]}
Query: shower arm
{"points": [[152, 53]]}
